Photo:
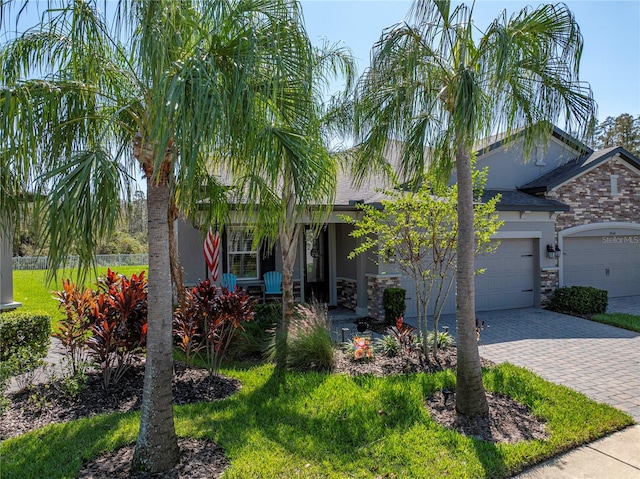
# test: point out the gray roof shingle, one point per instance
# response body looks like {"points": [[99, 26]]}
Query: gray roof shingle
{"points": [[513, 200]]}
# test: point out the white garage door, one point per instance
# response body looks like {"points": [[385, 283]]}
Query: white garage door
{"points": [[604, 262], [508, 280]]}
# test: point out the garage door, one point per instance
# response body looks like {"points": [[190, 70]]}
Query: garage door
{"points": [[604, 262], [508, 280]]}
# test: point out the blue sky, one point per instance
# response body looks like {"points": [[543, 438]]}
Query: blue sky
{"points": [[611, 31]]}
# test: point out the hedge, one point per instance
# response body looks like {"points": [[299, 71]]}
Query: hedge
{"points": [[582, 300]]}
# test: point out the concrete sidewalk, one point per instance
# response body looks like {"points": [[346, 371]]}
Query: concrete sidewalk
{"points": [[614, 457], [600, 361]]}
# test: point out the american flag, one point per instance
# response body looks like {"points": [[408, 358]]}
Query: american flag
{"points": [[212, 253]]}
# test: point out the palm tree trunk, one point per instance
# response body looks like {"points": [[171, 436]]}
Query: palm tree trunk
{"points": [[471, 399], [157, 446], [289, 233], [174, 257]]}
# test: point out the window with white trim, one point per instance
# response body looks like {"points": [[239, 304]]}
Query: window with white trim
{"points": [[242, 259]]}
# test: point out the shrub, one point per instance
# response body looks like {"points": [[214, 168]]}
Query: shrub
{"points": [[257, 339], [24, 342], [387, 345], [393, 301], [269, 313], [209, 320], [24, 331], [74, 328], [444, 339], [404, 335], [582, 300], [110, 324], [310, 347], [252, 341]]}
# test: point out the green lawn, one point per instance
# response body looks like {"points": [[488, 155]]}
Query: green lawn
{"points": [[31, 289], [620, 320], [330, 426], [323, 425]]}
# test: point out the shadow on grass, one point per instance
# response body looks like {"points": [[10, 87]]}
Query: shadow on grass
{"points": [[59, 450], [335, 425]]}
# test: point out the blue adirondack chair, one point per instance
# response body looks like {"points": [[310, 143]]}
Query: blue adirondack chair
{"points": [[229, 281], [272, 284]]}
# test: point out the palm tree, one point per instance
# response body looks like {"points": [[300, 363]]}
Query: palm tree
{"points": [[298, 185], [181, 87], [440, 83]]}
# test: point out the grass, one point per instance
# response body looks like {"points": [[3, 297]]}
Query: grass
{"points": [[316, 425], [32, 290], [619, 320]]}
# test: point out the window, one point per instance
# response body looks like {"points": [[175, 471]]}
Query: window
{"points": [[242, 258], [614, 185]]}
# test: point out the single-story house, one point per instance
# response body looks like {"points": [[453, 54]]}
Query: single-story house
{"points": [[571, 217]]}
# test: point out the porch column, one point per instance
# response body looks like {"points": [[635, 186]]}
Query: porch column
{"points": [[376, 284], [331, 250], [6, 272], [362, 307]]}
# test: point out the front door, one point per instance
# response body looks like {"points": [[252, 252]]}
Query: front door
{"points": [[316, 265]]}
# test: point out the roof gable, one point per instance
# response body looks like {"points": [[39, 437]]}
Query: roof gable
{"points": [[577, 167], [497, 141]]}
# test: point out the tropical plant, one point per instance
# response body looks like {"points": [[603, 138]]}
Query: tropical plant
{"points": [[438, 82], [74, 328], [191, 89], [107, 326], [118, 319], [293, 175], [442, 339], [209, 319], [387, 345], [405, 337]]}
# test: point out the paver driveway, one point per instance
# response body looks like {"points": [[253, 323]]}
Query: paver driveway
{"points": [[597, 360]]}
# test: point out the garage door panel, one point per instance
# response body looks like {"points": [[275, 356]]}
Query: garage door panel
{"points": [[612, 266], [508, 280]]}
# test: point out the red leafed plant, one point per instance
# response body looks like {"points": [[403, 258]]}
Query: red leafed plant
{"points": [[110, 323], [209, 320], [188, 327], [74, 329], [403, 333], [119, 324]]}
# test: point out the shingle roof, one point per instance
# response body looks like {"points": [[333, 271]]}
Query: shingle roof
{"points": [[575, 167], [513, 200]]}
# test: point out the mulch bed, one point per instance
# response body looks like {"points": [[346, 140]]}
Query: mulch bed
{"points": [[43, 404], [507, 421]]}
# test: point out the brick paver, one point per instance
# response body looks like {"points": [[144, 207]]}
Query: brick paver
{"points": [[597, 360]]}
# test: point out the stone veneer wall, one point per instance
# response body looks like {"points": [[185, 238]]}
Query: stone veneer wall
{"points": [[589, 197], [376, 284], [549, 278], [347, 293]]}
